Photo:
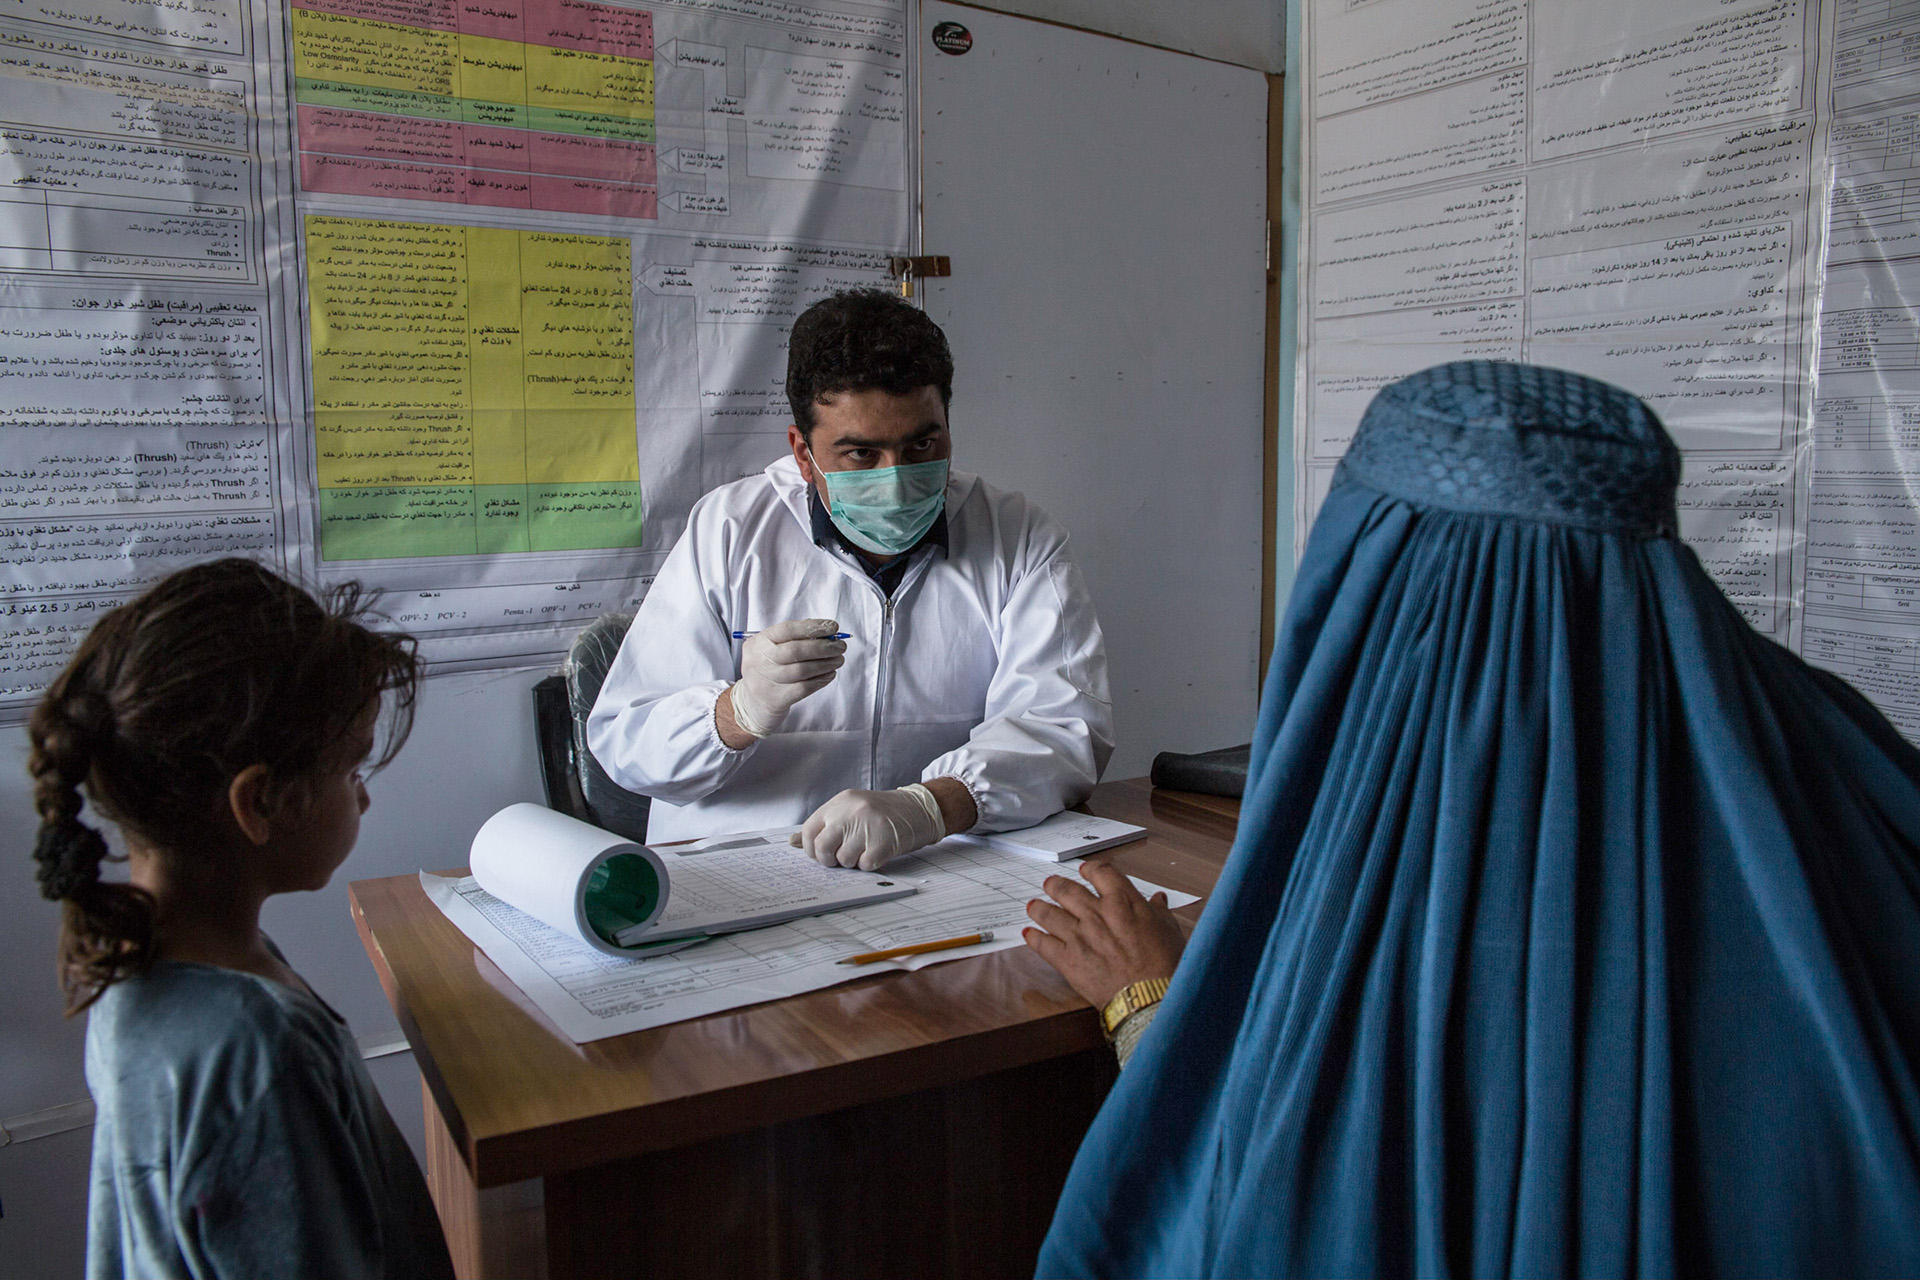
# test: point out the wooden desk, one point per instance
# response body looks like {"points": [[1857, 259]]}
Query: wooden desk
{"points": [[907, 1124]]}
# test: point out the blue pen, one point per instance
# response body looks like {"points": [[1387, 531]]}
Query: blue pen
{"points": [[838, 635]]}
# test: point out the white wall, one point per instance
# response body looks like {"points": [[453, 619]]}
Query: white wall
{"points": [[1104, 206], [1251, 33]]}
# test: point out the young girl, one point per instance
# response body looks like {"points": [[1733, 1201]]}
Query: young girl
{"points": [[223, 720]]}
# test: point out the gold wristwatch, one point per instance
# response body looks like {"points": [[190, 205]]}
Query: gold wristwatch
{"points": [[1132, 999]]}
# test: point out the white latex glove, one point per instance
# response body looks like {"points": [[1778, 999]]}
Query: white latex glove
{"points": [[782, 665], [867, 828]]}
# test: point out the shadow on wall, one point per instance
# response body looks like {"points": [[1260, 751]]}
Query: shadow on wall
{"points": [[43, 1197]]}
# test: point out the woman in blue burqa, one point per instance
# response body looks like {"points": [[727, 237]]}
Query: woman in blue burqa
{"points": [[1572, 928]]}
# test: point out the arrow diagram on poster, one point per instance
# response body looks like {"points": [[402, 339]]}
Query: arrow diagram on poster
{"points": [[710, 160]]}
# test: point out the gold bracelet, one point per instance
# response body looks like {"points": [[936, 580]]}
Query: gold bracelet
{"points": [[1132, 999]]}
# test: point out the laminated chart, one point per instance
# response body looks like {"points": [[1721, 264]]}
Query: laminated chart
{"points": [[519, 104], [1863, 531], [140, 426], [472, 390], [245, 313], [1626, 191]]}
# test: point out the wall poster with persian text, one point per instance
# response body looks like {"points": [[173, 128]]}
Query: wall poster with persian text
{"points": [[466, 299], [1702, 201]]}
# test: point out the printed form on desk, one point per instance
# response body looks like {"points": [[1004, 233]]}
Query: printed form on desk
{"points": [[589, 995]]}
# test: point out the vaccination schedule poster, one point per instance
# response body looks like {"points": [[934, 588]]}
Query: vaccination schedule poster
{"points": [[1703, 201], [466, 299]]}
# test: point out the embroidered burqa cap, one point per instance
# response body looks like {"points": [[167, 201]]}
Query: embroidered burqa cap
{"points": [[1492, 438], [1572, 927]]}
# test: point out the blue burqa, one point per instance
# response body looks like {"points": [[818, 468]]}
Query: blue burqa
{"points": [[1572, 926]]}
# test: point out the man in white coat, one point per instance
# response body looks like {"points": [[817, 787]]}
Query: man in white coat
{"points": [[857, 637]]}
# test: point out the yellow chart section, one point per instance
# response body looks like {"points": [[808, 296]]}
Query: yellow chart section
{"points": [[472, 389], [333, 52]]}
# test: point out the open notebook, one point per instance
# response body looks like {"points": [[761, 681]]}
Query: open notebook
{"points": [[628, 899]]}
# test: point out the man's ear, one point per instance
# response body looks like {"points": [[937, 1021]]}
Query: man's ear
{"points": [[798, 443], [249, 800]]}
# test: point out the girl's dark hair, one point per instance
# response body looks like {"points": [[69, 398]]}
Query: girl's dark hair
{"points": [[214, 668]]}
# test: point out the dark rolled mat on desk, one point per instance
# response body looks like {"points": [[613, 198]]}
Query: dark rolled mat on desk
{"points": [[1213, 773]]}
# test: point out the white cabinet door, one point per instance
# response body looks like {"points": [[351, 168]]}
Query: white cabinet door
{"points": [[1104, 204]]}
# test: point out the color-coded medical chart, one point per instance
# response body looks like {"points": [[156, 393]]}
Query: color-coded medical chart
{"points": [[517, 104], [468, 301], [472, 390]]}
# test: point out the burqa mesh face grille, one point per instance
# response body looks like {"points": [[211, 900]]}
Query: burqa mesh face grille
{"points": [[1493, 438]]}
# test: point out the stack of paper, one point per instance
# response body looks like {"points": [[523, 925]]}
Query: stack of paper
{"points": [[962, 888], [1063, 836]]}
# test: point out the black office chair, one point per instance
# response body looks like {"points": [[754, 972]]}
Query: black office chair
{"points": [[576, 785]]}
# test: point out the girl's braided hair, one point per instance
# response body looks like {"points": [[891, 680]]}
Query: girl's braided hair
{"points": [[215, 668]]}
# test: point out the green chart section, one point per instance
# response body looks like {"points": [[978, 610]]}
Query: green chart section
{"points": [[473, 390], [500, 115], [359, 64]]}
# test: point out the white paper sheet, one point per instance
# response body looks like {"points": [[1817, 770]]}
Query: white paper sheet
{"points": [[729, 883], [590, 995]]}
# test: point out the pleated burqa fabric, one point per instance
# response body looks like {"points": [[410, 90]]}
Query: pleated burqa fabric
{"points": [[1573, 928]]}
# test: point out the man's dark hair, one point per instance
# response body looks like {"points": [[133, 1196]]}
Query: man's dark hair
{"points": [[864, 340]]}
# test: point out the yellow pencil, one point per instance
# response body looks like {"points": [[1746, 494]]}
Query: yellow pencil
{"points": [[868, 957]]}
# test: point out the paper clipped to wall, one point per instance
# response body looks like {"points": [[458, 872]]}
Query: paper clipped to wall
{"points": [[420, 295], [1707, 202]]}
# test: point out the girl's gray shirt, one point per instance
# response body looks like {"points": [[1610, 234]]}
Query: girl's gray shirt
{"points": [[238, 1134]]}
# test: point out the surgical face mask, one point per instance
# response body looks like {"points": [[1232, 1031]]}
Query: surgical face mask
{"points": [[887, 509]]}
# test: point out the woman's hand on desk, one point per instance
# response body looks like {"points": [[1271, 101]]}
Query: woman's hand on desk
{"points": [[1101, 942]]}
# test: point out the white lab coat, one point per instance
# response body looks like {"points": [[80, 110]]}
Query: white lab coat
{"points": [[987, 666]]}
